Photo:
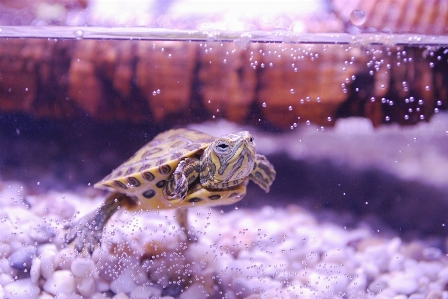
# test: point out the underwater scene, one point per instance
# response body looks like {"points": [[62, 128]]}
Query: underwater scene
{"points": [[160, 161]]}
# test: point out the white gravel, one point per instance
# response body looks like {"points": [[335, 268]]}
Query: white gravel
{"points": [[265, 253]]}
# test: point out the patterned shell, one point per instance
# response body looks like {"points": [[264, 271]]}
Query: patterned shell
{"points": [[143, 176]]}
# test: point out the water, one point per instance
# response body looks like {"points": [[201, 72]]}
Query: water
{"points": [[354, 124]]}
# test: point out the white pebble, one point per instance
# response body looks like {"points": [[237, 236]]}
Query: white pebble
{"points": [[437, 294], [85, 285], [121, 295], [144, 292], [124, 283], [378, 285], [64, 258], [337, 255], [5, 250], [61, 282], [6, 268], [396, 262], [109, 267], [443, 275], [357, 285], [2, 292], [429, 269], [102, 285], [5, 279], [195, 291], [97, 296], [47, 261], [332, 283], [45, 295], [386, 294], [65, 296], [21, 289], [82, 267], [35, 270], [403, 284]]}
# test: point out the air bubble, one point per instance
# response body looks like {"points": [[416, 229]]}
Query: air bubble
{"points": [[291, 91], [244, 40], [406, 117], [264, 105], [290, 108], [358, 17], [422, 117], [387, 118], [329, 118], [427, 88], [79, 34]]}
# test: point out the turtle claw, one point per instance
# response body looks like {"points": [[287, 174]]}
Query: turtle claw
{"points": [[176, 187], [86, 232]]}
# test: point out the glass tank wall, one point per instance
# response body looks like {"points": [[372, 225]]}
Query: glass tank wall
{"points": [[345, 101]]}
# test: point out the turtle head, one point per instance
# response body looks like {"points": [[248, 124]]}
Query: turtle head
{"points": [[227, 161]]}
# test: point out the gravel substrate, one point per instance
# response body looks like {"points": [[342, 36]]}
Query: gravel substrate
{"points": [[264, 253]]}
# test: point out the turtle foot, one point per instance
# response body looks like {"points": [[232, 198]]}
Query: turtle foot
{"points": [[86, 232]]}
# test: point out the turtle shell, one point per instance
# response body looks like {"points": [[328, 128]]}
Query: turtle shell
{"points": [[143, 176]]}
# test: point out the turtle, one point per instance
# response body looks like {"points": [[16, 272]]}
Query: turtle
{"points": [[178, 169]]}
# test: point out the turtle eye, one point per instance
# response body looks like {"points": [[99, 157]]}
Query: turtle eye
{"points": [[251, 139], [222, 147]]}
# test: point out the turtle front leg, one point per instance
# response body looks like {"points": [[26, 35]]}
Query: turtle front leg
{"points": [[186, 173], [87, 231], [263, 173]]}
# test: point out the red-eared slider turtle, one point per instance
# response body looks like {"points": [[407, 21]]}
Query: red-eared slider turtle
{"points": [[179, 168]]}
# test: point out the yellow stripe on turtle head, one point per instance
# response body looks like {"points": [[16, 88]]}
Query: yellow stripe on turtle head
{"points": [[228, 161]]}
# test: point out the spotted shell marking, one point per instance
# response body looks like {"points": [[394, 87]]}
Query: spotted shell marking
{"points": [[143, 176]]}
